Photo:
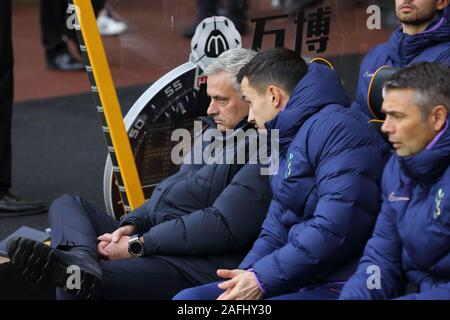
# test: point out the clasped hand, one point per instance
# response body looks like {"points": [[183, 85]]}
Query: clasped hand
{"points": [[114, 246]]}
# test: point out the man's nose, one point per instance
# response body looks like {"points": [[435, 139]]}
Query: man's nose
{"points": [[387, 126], [251, 116], [213, 108]]}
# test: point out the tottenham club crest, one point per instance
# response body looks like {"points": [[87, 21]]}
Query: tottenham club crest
{"points": [[437, 201], [213, 36]]}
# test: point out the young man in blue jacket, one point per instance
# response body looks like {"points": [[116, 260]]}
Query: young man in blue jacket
{"points": [[423, 36], [325, 194], [411, 240], [204, 217]]}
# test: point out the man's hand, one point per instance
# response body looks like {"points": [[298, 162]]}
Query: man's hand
{"points": [[241, 286], [114, 237], [101, 249], [119, 250]]}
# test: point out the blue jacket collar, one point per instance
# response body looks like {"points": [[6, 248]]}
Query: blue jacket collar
{"points": [[403, 48], [320, 87], [428, 165]]}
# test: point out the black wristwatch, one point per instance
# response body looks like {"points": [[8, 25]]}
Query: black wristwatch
{"points": [[135, 246]]}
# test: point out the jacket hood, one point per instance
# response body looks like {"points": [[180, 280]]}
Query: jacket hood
{"points": [[403, 48], [429, 165], [319, 88]]}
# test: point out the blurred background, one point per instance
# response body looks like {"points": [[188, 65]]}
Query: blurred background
{"points": [[153, 43]]}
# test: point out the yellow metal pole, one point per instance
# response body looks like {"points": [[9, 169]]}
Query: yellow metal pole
{"points": [[103, 85]]}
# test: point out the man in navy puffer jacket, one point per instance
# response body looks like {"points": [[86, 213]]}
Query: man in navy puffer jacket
{"points": [[326, 192], [411, 241], [423, 36]]}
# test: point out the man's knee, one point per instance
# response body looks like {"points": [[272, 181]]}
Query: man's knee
{"points": [[60, 205], [62, 202]]}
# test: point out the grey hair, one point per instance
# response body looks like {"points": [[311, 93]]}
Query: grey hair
{"points": [[231, 61], [430, 81]]}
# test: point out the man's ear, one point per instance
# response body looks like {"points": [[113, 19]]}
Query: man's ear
{"points": [[277, 96], [439, 116], [441, 4]]}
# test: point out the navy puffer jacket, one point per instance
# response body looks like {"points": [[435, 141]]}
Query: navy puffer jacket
{"points": [[411, 241], [326, 193]]}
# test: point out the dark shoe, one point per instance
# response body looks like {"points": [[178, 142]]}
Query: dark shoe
{"points": [[64, 62], [12, 205], [45, 265]]}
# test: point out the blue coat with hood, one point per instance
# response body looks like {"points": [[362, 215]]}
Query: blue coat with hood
{"points": [[411, 241], [402, 50], [326, 192]]}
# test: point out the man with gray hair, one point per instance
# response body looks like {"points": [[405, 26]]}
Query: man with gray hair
{"points": [[203, 218], [227, 104], [409, 247]]}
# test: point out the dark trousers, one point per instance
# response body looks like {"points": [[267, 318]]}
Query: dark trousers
{"points": [[74, 221], [211, 291], [53, 18], [6, 94]]}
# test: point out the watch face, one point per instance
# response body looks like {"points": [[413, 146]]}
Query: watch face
{"points": [[135, 247], [173, 102]]}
